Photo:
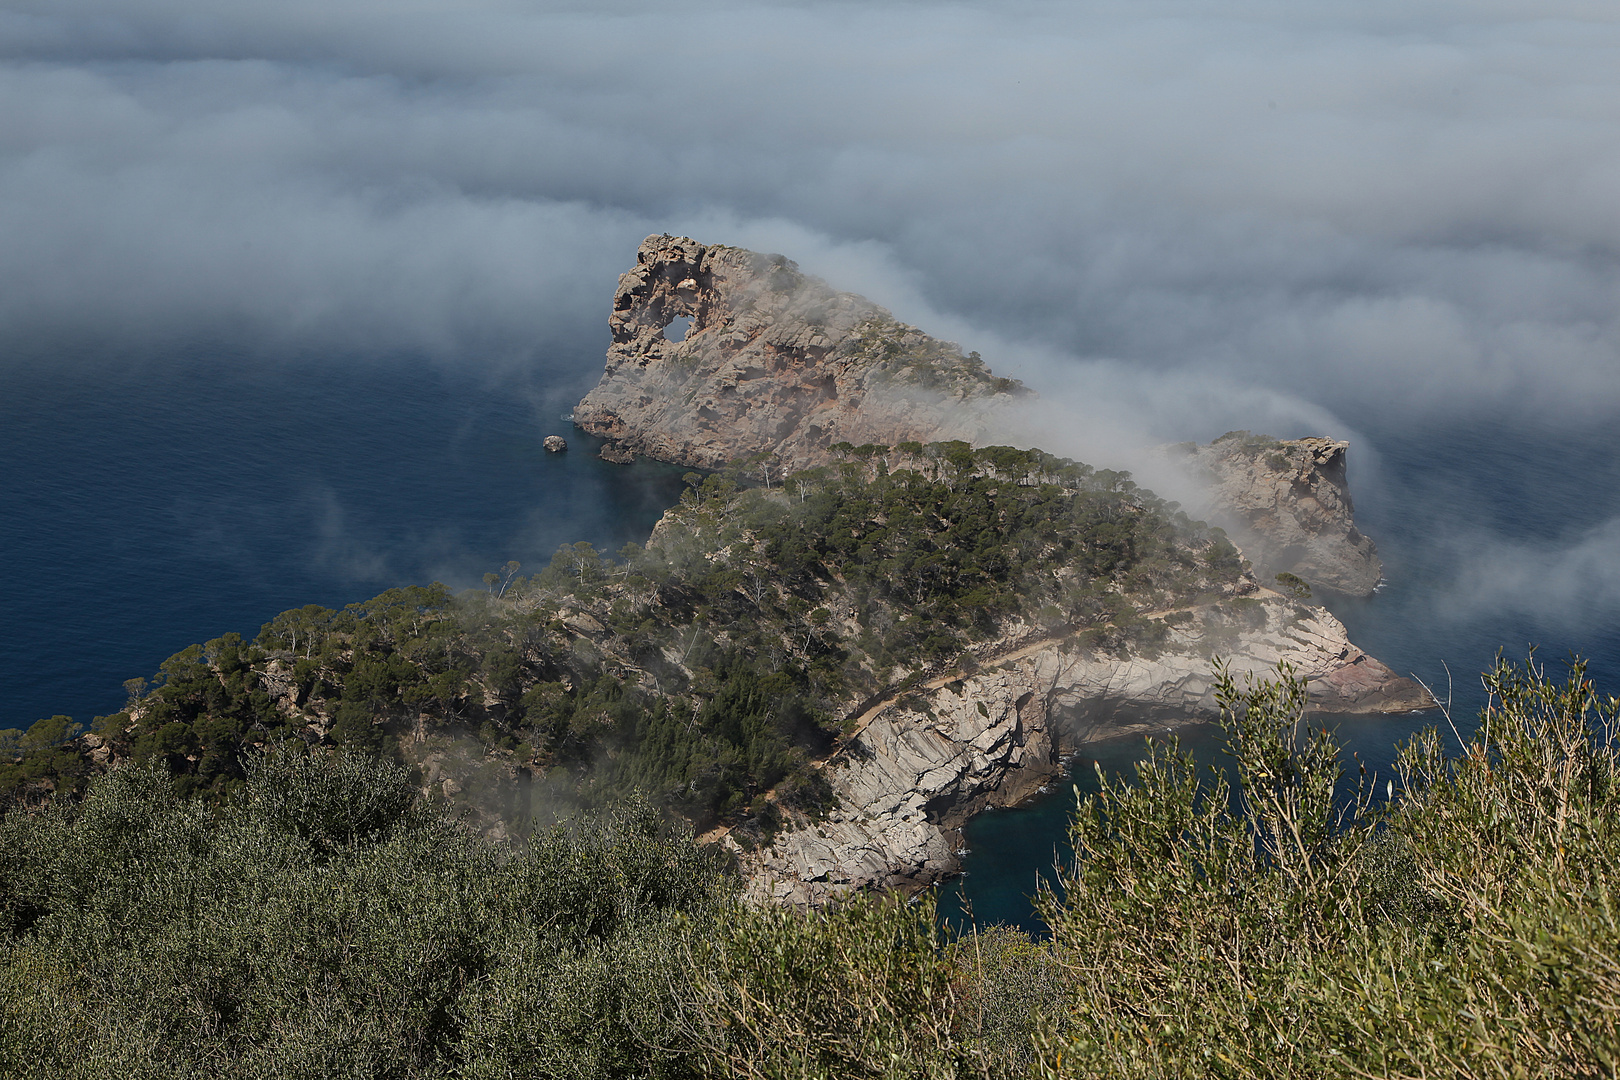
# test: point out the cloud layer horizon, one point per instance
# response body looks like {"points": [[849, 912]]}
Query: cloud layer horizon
{"points": [[1172, 218]]}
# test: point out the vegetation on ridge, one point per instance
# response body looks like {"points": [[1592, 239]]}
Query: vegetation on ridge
{"points": [[709, 668]]}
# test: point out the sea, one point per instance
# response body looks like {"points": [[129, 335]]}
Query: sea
{"points": [[150, 502], [147, 503]]}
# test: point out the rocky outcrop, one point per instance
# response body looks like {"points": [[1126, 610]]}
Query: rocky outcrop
{"points": [[555, 444], [720, 353], [95, 748], [1287, 505], [924, 764]]}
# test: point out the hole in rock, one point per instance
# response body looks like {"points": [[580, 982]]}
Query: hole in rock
{"points": [[677, 328]]}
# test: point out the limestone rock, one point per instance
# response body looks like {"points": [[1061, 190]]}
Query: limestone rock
{"points": [[779, 364], [1287, 505], [773, 362], [95, 748], [920, 768], [555, 444]]}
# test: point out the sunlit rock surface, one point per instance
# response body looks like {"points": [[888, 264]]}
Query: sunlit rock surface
{"points": [[719, 353], [921, 767]]}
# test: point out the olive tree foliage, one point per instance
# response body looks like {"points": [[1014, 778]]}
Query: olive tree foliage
{"points": [[325, 925], [1243, 923], [858, 991], [330, 801], [1467, 928], [870, 988]]}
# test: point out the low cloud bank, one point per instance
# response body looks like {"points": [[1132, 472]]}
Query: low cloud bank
{"points": [[1574, 585], [1172, 214], [1171, 221]]}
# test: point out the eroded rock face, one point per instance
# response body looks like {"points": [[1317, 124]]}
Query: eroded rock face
{"points": [[719, 353], [921, 768], [1287, 505]]}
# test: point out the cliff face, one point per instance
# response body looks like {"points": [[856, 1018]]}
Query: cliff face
{"points": [[925, 764], [1287, 505], [773, 362]]}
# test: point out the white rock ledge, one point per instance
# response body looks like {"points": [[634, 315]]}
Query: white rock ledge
{"points": [[910, 779]]}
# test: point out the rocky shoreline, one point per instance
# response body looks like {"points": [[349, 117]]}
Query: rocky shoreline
{"points": [[927, 763]]}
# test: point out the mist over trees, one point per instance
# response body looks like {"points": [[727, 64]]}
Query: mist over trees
{"points": [[709, 669]]}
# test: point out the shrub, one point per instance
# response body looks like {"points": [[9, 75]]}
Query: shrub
{"points": [[1256, 928], [155, 937]]}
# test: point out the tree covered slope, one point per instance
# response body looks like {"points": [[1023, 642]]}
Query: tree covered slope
{"points": [[711, 666]]}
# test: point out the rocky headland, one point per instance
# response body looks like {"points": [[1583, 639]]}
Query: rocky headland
{"points": [[781, 368], [1287, 505], [778, 366], [772, 362], [830, 669]]}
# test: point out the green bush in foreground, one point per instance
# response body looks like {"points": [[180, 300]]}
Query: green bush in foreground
{"points": [[325, 924], [1467, 929]]}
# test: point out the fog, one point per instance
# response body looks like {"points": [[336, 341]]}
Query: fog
{"points": [[1365, 207], [1575, 584], [1172, 218]]}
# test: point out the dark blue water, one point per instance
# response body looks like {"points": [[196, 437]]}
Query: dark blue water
{"points": [[146, 505]]}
